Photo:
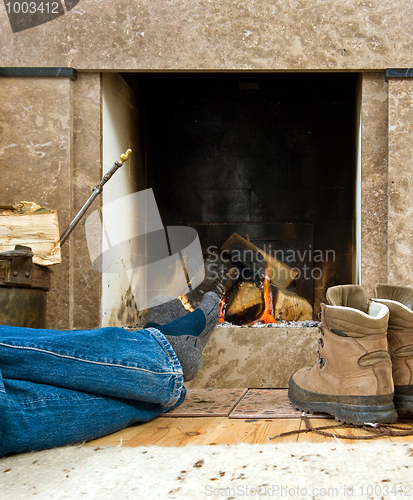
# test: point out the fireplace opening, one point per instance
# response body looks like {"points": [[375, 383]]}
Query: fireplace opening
{"points": [[269, 156]]}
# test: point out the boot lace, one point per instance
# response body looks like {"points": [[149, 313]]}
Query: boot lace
{"points": [[372, 432], [321, 361]]}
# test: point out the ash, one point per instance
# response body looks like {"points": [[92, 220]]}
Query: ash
{"points": [[278, 324]]}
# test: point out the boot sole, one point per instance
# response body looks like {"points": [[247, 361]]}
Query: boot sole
{"points": [[403, 400], [357, 410]]}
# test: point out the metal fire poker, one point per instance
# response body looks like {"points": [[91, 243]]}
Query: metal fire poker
{"points": [[95, 192]]}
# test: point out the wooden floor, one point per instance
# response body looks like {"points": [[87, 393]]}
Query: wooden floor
{"points": [[233, 416], [184, 431]]}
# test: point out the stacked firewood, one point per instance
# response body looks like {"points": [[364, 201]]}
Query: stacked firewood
{"points": [[33, 226]]}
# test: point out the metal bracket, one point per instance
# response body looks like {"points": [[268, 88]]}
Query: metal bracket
{"points": [[19, 271], [399, 73], [35, 72]]}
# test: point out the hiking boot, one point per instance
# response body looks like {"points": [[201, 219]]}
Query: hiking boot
{"points": [[352, 379], [399, 300]]}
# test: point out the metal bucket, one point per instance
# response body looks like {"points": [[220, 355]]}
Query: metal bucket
{"points": [[23, 289]]}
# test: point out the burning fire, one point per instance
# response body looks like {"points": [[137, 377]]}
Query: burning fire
{"points": [[267, 315], [221, 310]]}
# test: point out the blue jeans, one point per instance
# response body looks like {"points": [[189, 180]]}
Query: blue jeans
{"points": [[65, 387]]}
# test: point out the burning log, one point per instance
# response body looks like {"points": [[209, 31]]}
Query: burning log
{"points": [[288, 306], [259, 294], [246, 304], [240, 250]]}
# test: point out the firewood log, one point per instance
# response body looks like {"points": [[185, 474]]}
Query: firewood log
{"points": [[30, 225], [246, 304], [288, 306]]}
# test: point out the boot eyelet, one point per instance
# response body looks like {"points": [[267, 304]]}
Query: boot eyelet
{"points": [[321, 362], [321, 341]]}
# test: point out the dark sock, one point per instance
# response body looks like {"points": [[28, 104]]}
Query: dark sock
{"points": [[198, 324], [189, 333], [191, 324]]}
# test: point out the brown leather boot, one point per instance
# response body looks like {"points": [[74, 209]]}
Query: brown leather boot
{"points": [[399, 300], [353, 377]]}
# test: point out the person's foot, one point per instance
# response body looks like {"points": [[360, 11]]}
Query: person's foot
{"points": [[187, 333], [220, 275]]}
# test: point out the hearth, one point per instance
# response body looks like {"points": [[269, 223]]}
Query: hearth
{"points": [[270, 156], [254, 286]]}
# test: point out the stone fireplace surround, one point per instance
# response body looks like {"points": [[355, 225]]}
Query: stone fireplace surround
{"points": [[54, 147], [53, 135], [60, 158]]}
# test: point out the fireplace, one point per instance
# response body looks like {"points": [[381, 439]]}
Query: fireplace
{"points": [[270, 156]]}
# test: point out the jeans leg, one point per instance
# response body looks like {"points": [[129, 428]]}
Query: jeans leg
{"points": [[138, 365], [38, 416]]}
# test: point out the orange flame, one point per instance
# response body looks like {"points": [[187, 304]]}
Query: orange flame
{"points": [[221, 310], [267, 315]]}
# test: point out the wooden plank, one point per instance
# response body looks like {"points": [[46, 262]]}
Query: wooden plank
{"points": [[198, 431], [176, 431], [253, 431], [120, 438], [403, 439], [164, 431]]}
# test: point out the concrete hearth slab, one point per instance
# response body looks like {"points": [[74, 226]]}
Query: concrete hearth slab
{"points": [[255, 357]]}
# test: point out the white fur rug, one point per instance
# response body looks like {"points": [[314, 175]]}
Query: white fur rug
{"points": [[376, 469]]}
